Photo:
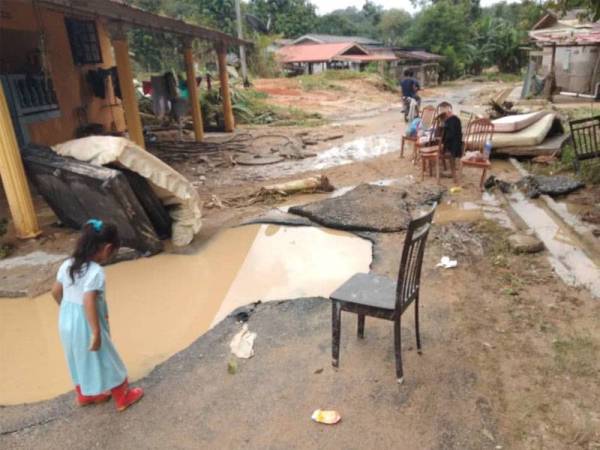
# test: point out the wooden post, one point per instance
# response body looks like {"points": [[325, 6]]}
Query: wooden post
{"points": [[224, 78], [13, 177], [130, 105], [193, 91]]}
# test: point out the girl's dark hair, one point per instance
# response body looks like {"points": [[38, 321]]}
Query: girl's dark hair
{"points": [[94, 235]]}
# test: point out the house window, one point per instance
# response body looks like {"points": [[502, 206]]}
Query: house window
{"points": [[83, 38]]}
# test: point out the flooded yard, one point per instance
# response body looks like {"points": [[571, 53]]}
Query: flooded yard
{"points": [[173, 299]]}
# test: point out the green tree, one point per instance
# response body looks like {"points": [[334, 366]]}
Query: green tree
{"points": [[441, 28], [291, 18], [393, 26]]}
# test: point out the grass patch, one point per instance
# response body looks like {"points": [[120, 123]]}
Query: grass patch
{"points": [[4, 248], [495, 241], [251, 107], [577, 355], [504, 77], [327, 81]]}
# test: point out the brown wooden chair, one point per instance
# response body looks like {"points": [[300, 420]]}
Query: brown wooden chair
{"points": [[427, 117], [479, 132], [432, 152], [376, 296]]}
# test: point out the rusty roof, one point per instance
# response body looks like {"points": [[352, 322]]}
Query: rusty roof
{"points": [[120, 12], [316, 52], [583, 35]]}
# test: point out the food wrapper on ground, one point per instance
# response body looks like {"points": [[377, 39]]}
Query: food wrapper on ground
{"points": [[326, 417]]}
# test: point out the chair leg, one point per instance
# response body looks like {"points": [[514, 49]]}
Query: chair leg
{"points": [[402, 148], [417, 330], [398, 351], [482, 179], [437, 170], [336, 329], [361, 326], [423, 168]]}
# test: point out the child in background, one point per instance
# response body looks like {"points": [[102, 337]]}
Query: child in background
{"points": [[96, 368]]}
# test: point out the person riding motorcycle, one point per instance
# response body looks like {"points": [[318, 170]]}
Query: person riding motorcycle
{"points": [[410, 88]]}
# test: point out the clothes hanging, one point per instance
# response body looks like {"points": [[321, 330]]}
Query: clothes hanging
{"points": [[160, 98]]}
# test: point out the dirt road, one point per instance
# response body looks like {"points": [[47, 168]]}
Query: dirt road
{"points": [[511, 354]]}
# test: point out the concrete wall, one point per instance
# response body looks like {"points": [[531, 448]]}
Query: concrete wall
{"points": [[74, 95], [574, 67]]}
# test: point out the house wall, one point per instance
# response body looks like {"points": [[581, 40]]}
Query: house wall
{"points": [[574, 67], [75, 98]]}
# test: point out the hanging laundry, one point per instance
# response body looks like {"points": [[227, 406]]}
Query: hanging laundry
{"points": [[171, 84], [160, 98], [147, 87]]}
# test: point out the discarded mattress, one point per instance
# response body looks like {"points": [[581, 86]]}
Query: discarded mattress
{"points": [[552, 145], [532, 135], [512, 124], [77, 191], [172, 188]]}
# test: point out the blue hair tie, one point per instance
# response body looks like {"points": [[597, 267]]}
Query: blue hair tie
{"points": [[96, 224]]}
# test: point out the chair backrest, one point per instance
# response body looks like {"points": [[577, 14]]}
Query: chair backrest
{"points": [[427, 116], [409, 275], [479, 132], [466, 117], [586, 137]]}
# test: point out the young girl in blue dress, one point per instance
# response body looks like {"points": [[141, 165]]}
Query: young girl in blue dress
{"points": [[96, 368]]}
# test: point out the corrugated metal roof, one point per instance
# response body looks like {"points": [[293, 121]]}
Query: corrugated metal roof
{"points": [[586, 35], [333, 39], [420, 55], [315, 52]]}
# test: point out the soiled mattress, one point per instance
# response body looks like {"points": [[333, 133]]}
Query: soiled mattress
{"points": [[532, 135], [512, 124], [172, 188]]}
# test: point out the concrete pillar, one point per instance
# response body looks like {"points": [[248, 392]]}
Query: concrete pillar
{"points": [[130, 105], [193, 91], [13, 177], [224, 78]]}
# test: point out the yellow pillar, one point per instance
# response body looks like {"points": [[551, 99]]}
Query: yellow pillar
{"points": [[130, 105], [193, 91], [224, 78], [13, 177]]}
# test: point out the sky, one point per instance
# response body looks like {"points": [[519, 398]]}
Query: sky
{"points": [[326, 6]]}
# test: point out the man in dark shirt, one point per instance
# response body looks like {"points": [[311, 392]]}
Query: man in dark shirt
{"points": [[452, 139], [410, 86]]}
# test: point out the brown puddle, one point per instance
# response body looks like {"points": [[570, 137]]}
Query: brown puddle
{"points": [[160, 305]]}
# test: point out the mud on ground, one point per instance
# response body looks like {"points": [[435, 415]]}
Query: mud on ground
{"points": [[511, 356]]}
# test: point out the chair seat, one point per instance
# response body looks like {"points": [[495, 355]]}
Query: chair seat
{"points": [[368, 290], [476, 163], [426, 150]]}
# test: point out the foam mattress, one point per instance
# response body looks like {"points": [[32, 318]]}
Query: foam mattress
{"points": [[512, 124], [534, 134]]}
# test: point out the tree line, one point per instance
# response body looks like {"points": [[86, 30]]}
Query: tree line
{"points": [[469, 36]]}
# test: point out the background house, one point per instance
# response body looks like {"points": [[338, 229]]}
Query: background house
{"points": [[316, 58], [569, 46], [425, 65]]}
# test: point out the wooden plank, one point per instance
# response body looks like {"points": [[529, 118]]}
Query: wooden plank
{"points": [[130, 15]]}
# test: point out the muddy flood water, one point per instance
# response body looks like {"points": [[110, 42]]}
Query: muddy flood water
{"points": [[160, 305]]}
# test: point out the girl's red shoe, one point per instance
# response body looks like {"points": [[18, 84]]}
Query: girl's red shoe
{"points": [[84, 400], [125, 397]]}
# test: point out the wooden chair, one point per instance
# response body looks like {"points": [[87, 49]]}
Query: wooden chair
{"points": [[432, 152], [466, 117], [427, 117], [376, 296], [479, 132], [585, 134]]}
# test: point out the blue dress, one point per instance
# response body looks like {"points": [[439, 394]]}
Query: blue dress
{"points": [[95, 372]]}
